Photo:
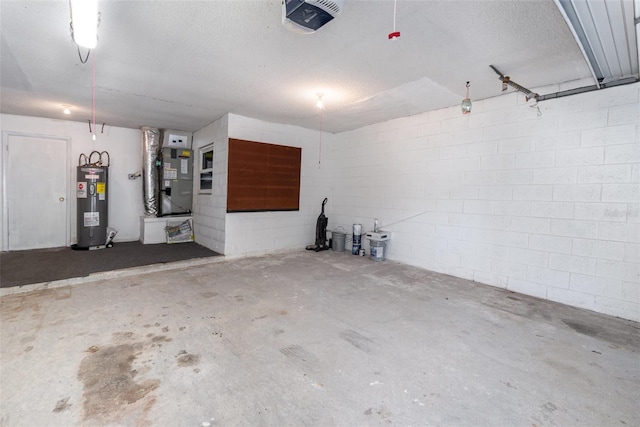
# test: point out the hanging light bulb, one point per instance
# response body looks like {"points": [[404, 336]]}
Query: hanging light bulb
{"points": [[319, 102], [466, 102]]}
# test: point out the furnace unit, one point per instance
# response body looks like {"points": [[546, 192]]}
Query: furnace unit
{"points": [[176, 181]]}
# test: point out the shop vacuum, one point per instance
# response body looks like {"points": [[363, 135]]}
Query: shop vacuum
{"points": [[321, 232]]}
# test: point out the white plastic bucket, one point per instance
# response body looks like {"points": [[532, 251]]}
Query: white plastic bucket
{"points": [[378, 248]]}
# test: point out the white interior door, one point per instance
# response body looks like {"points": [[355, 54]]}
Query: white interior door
{"points": [[37, 192]]}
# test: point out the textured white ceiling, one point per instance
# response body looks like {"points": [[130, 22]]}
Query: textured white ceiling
{"points": [[183, 64]]}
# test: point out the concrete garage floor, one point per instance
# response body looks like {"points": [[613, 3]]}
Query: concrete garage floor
{"points": [[310, 339]]}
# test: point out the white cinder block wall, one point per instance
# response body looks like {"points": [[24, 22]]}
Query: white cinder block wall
{"points": [[253, 233], [546, 206], [209, 210], [125, 150]]}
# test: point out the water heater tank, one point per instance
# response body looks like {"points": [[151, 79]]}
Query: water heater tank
{"points": [[92, 201], [306, 16]]}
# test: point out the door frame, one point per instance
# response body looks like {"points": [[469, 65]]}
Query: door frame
{"points": [[4, 235]]}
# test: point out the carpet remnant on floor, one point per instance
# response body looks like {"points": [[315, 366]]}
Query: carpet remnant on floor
{"points": [[18, 268]]}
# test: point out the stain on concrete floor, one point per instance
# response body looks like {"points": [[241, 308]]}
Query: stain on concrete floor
{"points": [[111, 390], [626, 334], [185, 359], [357, 340], [62, 405]]}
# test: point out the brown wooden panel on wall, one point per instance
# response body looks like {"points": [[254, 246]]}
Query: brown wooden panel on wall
{"points": [[263, 177]]}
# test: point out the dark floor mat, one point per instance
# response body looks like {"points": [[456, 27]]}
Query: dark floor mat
{"points": [[44, 265]]}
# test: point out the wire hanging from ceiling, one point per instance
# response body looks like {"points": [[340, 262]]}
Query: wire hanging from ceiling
{"points": [[93, 94], [394, 34], [320, 144], [86, 58], [395, 8], [320, 147]]}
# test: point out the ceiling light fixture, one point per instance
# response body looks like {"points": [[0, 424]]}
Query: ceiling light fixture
{"points": [[66, 110], [85, 19], [84, 22], [605, 31], [466, 102], [319, 102]]}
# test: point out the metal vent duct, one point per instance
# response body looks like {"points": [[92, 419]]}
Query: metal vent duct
{"points": [[150, 189]]}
